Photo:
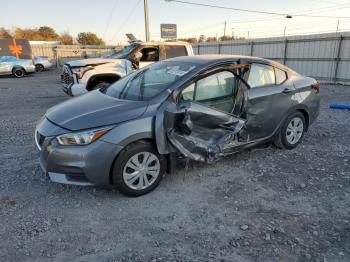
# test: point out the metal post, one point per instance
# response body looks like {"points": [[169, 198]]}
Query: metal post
{"points": [[198, 51], [145, 3], [224, 29], [337, 59], [219, 48], [285, 51], [252, 48]]}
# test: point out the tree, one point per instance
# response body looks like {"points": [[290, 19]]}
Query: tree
{"points": [[202, 38], [228, 38], [191, 40], [30, 34], [211, 39], [4, 33], [88, 38], [66, 39], [47, 33]]}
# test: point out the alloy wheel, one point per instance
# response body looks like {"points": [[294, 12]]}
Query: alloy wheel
{"points": [[141, 170], [19, 73], [295, 130]]}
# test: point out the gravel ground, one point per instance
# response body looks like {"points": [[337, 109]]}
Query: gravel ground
{"points": [[259, 205]]}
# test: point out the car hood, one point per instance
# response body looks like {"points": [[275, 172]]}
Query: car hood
{"points": [[91, 61], [94, 109]]}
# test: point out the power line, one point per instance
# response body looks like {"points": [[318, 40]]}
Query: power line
{"points": [[109, 17], [127, 19], [256, 11]]}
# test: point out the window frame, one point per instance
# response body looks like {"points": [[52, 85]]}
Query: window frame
{"points": [[274, 71], [148, 47], [285, 73], [195, 87]]}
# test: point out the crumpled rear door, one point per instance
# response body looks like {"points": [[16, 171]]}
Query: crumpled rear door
{"points": [[197, 131]]}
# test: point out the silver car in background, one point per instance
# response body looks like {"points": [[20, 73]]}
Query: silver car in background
{"points": [[10, 65], [42, 63]]}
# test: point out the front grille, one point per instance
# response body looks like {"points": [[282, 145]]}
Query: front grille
{"points": [[39, 139], [67, 77]]}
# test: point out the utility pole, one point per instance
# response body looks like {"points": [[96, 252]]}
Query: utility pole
{"points": [[284, 32], [145, 5], [248, 34], [233, 32], [225, 29]]}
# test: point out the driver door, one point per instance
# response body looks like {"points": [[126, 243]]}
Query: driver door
{"points": [[201, 124]]}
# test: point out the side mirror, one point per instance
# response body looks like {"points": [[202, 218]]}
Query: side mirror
{"points": [[135, 60]]}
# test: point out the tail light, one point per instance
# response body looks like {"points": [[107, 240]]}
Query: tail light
{"points": [[316, 86]]}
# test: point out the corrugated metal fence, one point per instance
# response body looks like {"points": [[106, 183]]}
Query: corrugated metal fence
{"points": [[63, 53], [323, 56]]}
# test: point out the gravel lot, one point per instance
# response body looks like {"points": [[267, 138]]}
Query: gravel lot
{"points": [[259, 205]]}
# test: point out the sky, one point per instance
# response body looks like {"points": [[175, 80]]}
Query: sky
{"points": [[112, 19]]}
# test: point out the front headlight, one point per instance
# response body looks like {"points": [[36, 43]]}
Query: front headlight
{"points": [[80, 73], [82, 138]]}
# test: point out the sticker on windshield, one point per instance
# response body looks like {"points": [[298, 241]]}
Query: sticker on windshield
{"points": [[175, 70]]}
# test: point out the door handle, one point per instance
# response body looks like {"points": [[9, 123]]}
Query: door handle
{"points": [[287, 90]]}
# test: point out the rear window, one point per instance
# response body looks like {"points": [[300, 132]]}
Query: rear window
{"points": [[174, 51], [281, 76]]}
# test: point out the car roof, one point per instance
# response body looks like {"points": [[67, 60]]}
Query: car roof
{"points": [[206, 60], [165, 43]]}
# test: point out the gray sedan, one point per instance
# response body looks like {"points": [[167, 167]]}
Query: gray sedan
{"points": [[10, 65], [200, 107]]}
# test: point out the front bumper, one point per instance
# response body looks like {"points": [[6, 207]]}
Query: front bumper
{"points": [[74, 89], [76, 165], [71, 85], [79, 165]]}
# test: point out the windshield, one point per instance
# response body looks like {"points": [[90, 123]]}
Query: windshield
{"points": [[121, 53], [147, 83]]}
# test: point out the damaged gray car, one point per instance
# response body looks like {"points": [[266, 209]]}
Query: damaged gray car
{"points": [[200, 107]]}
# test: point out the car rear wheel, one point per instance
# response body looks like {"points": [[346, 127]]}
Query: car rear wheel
{"points": [[18, 72], [292, 131], [138, 169], [39, 67]]}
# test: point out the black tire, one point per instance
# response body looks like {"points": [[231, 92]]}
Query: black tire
{"points": [[100, 85], [18, 72], [39, 68], [281, 140], [123, 158]]}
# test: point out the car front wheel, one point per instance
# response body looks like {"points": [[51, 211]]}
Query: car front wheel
{"points": [[292, 131], [138, 169]]}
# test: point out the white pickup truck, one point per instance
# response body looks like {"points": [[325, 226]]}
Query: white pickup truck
{"points": [[84, 75]]}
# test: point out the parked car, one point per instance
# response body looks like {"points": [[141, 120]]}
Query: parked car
{"points": [[42, 63], [10, 65], [16, 57], [201, 107], [84, 75]]}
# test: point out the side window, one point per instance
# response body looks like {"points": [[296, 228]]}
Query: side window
{"points": [[149, 54], [216, 91], [281, 76], [188, 93], [261, 75], [174, 51]]}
